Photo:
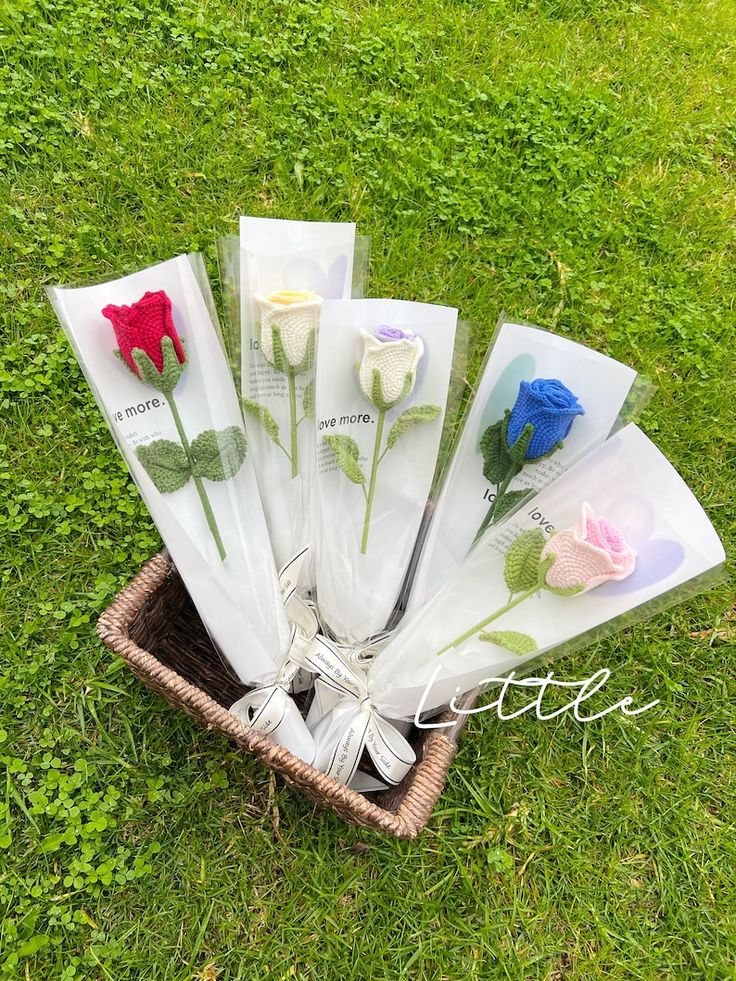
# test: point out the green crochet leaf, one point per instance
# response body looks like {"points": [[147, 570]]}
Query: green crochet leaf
{"points": [[280, 361], [508, 501], [410, 418], [377, 391], [165, 381], [518, 450], [347, 454], [567, 590], [122, 360], [511, 640], [218, 454], [496, 460], [166, 464], [263, 415], [522, 566], [308, 360], [308, 399]]}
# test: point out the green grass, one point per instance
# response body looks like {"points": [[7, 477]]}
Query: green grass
{"points": [[570, 161]]}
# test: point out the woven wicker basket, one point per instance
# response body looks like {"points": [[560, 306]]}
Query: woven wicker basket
{"points": [[153, 625]]}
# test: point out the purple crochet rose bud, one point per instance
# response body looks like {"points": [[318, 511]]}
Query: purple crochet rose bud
{"points": [[385, 333], [550, 407]]}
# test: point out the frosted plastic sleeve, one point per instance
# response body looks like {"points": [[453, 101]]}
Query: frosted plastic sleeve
{"points": [[489, 619], [169, 400], [383, 376], [483, 486], [287, 270]]}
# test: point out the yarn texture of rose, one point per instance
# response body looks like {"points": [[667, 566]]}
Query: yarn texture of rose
{"points": [[550, 408], [387, 374], [571, 562], [591, 553], [153, 351], [388, 367], [142, 327], [540, 420], [289, 320]]}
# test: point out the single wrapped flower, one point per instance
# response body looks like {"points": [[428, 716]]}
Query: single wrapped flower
{"points": [[388, 368], [144, 327], [153, 351], [541, 418], [289, 321], [591, 553], [550, 408], [287, 340], [387, 374]]}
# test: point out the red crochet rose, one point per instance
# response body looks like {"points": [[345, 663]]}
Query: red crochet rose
{"points": [[144, 325]]}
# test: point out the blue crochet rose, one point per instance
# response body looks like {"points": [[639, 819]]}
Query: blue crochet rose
{"points": [[550, 407]]}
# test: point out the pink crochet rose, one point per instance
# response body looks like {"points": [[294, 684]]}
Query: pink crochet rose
{"points": [[591, 553]]}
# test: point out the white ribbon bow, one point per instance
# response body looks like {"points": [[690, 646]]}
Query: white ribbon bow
{"points": [[353, 724], [270, 709]]}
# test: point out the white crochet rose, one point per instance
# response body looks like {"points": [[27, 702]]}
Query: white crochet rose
{"points": [[388, 369], [289, 320]]}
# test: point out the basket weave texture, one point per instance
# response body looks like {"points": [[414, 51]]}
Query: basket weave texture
{"points": [[154, 626]]}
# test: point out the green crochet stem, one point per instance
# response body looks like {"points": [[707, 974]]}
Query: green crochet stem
{"points": [[293, 456], [494, 616], [206, 506], [500, 491], [372, 484]]}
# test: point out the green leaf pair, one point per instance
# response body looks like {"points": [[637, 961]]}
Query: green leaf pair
{"points": [[266, 417], [347, 451], [214, 455]]}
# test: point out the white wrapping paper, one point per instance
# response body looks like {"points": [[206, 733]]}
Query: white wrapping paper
{"points": [[628, 481], [373, 472], [213, 526], [278, 340], [519, 354]]}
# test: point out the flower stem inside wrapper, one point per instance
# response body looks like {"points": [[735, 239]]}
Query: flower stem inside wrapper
{"points": [[152, 349], [287, 337]]}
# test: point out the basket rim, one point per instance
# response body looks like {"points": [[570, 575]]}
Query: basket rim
{"points": [[425, 780]]}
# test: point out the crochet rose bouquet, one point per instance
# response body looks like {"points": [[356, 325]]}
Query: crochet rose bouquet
{"points": [[386, 374], [534, 429], [383, 374], [153, 351], [570, 562], [287, 335], [400, 584]]}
